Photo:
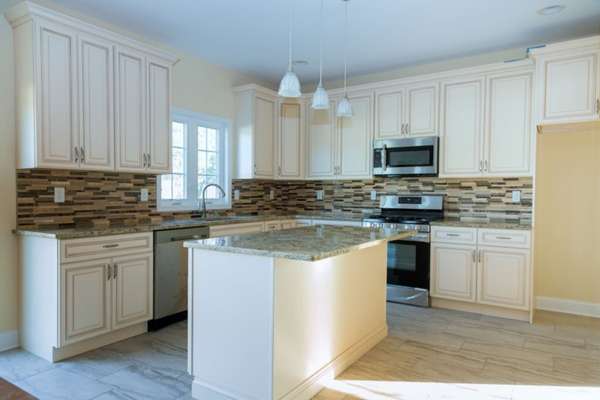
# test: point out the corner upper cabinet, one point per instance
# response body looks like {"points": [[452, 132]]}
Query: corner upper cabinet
{"points": [[290, 140], [568, 81], [83, 95], [255, 130]]}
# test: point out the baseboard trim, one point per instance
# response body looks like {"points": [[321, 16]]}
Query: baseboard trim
{"points": [[568, 306], [9, 340], [501, 312]]}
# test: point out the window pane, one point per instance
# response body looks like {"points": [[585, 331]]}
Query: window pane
{"points": [[202, 163], [165, 187], [211, 163], [178, 134], [201, 138], [179, 191], [211, 139], [178, 161]]}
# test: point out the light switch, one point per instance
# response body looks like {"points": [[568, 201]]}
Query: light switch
{"points": [[516, 196], [236, 194], [373, 195], [320, 194], [272, 195], [59, 194], [144, 194]]}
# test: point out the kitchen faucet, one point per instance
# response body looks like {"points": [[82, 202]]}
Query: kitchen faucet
{"points": [[204, 215]]}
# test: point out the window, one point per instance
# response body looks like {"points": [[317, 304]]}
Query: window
{"points": [[199, 158]]}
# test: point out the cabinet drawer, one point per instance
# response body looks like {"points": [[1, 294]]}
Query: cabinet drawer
{"points": [[454, 235], [104, 246], [505, 238]]}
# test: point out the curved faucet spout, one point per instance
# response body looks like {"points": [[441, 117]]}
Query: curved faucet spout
{"points": [[204, 196]]}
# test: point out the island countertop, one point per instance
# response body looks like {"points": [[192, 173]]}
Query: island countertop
{"points": [[310, 243]]}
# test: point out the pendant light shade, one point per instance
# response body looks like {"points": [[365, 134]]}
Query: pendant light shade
{"points": [[290, 85], [320, 100], [344, 108]]}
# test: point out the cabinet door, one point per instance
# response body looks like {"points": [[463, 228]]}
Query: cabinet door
{"points": [[159, 117], [462, 127], [132, 290], [264, 136], [96, 103], [509, 126], [422, 110], [570, 87], [321, 142], [453, 273], [504, 277], [59, 132], [131, 110], [85, 300], [390, 113], [290, 141], [354, 150]]}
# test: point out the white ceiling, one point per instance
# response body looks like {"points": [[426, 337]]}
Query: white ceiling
{"points": [[251, 35]]}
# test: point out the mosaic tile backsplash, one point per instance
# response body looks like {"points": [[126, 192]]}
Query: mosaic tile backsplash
{"points": [[107, 198]]}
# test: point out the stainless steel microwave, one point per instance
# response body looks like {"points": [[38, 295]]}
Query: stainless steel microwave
{"points": [[406, 157]]}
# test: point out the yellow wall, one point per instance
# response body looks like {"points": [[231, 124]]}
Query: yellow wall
{"points": [[567, 216]]}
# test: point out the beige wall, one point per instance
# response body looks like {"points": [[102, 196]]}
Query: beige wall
{"points": [[8, 253], [567, 219]]}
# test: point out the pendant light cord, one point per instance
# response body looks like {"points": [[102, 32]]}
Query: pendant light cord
{"points": [[290, 38], [346, 49], [321, 47]]}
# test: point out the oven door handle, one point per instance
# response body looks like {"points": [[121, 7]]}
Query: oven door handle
{"points": [[384, 157]]}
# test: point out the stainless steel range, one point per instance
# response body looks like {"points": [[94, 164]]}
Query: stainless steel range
{"points": [[408, 259]]}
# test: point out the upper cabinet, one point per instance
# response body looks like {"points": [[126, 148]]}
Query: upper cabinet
{"points": [[407, 110], [290, 140], [88, 98], [321, 142], [568, 81]]}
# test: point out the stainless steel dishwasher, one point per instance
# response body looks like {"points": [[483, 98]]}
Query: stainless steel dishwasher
{"points": [[170, 274]]}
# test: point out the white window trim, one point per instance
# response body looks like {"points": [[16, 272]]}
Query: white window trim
{"points": [[225, 159]]}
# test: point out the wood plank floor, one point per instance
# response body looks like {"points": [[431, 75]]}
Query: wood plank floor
{"points": [[441, 354]]}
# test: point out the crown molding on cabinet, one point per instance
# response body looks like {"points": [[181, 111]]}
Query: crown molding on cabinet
{"points": [[569, 45]]}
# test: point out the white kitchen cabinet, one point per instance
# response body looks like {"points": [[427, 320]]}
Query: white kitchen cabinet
{"points": [[86, 289], [503, 277], [96, 98], [321, 147], [407, 110], [462, 126], [255, 130], [88, 98], [290, 140], [355, 140], [568, 81], [509, 130], [132, 288], [453, 271]]}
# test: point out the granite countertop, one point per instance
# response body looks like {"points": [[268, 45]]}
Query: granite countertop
{"points": [[86, 232], [485, 224], [310, 243]]}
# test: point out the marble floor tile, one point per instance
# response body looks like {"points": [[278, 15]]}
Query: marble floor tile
{"points": [[96, 364], [143, 382], [57, 383], [16, 365]]}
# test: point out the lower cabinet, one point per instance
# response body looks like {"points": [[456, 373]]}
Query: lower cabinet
{"points": [[503, 277], [132, 285], [453, 271]]}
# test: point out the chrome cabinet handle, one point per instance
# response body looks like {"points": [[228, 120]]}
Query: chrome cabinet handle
{"points": [[76, 151], [115, 270], [485, 165], [149, 160], [474, 256], [82, 154], [480, 255], [279, 170], [109, 272], [597, 106], [144, 160], [407, 129], [452, 234], [503, 238], [480, 165], [110, 246]]}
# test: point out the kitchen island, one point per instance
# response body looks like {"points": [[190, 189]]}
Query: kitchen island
{"points": [[274, 315]]}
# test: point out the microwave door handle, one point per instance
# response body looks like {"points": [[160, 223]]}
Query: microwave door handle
{"points": [[384, 157]]}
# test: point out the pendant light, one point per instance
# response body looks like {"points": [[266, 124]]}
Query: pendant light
{"points": [[320, 100], [290, 85], [344, 108]]}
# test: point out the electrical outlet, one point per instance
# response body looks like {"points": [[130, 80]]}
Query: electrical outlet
{"points": [[59, 194], [144, 194], [373, 195], [516, 196], [272, 195], [320, 194], [236, 194]]}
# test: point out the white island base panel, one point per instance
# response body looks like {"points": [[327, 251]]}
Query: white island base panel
{"points": [[272, 328]]}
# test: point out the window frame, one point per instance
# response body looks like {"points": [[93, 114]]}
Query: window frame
{"points": [[193, 120]]}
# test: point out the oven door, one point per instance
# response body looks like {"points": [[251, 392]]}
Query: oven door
{"points": [[408, 264], [418, 156]]}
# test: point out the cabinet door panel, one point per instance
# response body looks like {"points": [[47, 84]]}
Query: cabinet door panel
{"points": [[264, 137], [290, 141], [462, 127], [85, 307], [390, 109], [570, 88], [509, 127], [355, 140], [422, 110], [321, 142], [159, 130], [453, 274], [96, 98], [133, 288], [504, 277], [131, 110], [59, 133]]}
